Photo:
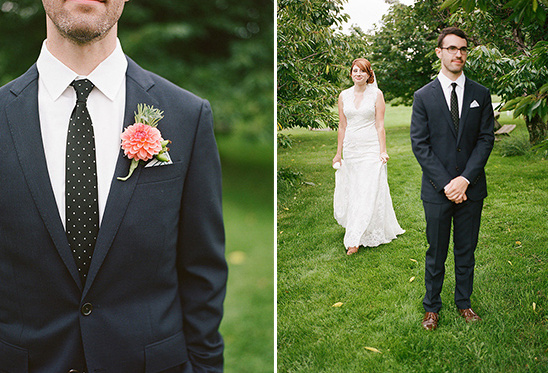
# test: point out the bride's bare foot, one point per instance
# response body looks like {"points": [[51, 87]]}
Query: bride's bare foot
{"points": [[352, 250]]}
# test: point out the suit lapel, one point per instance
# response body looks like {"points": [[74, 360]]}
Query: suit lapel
{"points": [[24, 125], [466, 102], [138, 84], [439, 98]]}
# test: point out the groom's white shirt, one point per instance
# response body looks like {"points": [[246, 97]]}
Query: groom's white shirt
{"points": [[106, 106], [447, 88]]}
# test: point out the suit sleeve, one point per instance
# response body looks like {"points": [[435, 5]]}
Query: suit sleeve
{"points": [[431, 165], [201, 262], [485, 141]]}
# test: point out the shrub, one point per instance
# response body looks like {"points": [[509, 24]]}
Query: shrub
{"points": [[287, 179], [514, 146], [284, 141], [542, 148]]}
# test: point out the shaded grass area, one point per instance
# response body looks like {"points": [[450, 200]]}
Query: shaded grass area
{"points": [[382, 288], [248, 192]]}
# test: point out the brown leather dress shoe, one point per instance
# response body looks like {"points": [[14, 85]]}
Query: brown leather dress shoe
{"points": [[430, 321], [469, 315]]}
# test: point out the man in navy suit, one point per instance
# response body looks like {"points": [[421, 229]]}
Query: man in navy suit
{"points": [[452, 137], [149, 299]]}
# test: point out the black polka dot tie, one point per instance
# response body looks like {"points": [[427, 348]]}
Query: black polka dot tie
{"points": [[82, 208], [455, 107]]}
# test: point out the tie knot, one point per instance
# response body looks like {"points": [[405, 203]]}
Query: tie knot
{"points": [[454, 85], [83, 88]]}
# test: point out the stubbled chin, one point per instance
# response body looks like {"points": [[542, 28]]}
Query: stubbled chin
{"points": [[455, 67]]}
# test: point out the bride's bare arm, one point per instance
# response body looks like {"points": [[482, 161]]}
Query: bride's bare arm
{"points": [[341, 132], [380, 108]]}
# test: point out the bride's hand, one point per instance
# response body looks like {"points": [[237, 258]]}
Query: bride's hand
{"points": [[336, 159], [384, 157]]}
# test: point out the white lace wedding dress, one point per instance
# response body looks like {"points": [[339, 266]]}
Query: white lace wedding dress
{"points": [[362, 202]]}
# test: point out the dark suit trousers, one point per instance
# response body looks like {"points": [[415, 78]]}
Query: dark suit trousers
{"points": [[465, 218]]}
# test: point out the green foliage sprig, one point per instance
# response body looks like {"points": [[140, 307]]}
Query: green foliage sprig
{"points": [[148, 115]]}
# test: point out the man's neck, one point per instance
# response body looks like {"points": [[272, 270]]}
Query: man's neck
{"points": [[451, 76], [82, 59]]}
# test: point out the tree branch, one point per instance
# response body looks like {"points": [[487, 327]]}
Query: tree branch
{"points": [[312, 55]]}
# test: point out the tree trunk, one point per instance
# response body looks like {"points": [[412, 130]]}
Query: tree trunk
{"points": [[538, 130]]}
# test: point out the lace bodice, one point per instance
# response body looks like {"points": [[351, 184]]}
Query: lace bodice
{"points": [[362, 115], [361, 138]]}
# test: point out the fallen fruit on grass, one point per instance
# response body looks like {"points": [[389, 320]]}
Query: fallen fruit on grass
{"points": [[338, 304]]}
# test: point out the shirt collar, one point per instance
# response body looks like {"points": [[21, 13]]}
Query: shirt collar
{"points": [[107, 77], [446, 82]]}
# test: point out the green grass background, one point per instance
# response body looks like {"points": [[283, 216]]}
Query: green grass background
{"points": [[382, 288], [248, 193]]}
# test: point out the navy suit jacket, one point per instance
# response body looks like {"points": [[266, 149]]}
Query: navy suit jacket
{"points": [[444, 154], [154, 292]]}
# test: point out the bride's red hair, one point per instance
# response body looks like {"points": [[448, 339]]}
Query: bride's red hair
{"points": [[364, 65]]}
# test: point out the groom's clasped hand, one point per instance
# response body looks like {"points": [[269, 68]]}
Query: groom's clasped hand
{"points": [[455, 191]]}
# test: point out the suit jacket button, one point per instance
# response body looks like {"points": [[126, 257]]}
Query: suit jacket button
{"points": [[458, 169], [86, 309], [458, 149]]}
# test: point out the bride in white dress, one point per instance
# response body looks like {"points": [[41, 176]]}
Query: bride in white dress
{"points": [[362, 202]]}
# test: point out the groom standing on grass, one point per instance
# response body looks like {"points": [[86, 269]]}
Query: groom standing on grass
{"points": [[98, 274], [452, 137]]}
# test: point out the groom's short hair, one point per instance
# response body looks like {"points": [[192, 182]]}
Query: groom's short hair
{"points": [[451, 31]]}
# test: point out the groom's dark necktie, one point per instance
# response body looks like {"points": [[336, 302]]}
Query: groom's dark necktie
{"points": [[455, 108], [82, 208]]}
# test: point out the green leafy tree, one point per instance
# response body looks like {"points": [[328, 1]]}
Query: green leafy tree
{"points": [[513, 55], [403, 48], [309, 68]]}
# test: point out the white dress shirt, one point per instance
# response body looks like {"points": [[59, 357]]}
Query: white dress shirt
{"points": [[106, 106], [446, 85], [447, 88]]}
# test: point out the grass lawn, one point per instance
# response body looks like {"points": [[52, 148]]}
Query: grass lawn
{"points": [[248, 192], [381, 289]]}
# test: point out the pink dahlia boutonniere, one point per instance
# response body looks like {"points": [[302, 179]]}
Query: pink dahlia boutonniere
{"points": [[142, 141]]}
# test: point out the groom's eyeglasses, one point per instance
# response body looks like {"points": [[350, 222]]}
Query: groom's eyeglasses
{"points": [[453, 50]]}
